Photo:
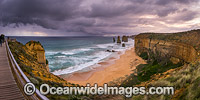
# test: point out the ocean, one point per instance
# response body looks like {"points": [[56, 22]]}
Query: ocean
{"points": [[72, 54]]}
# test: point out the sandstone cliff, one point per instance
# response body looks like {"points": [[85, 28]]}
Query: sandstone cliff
{"points": [[38, 49], [118, 40], [177, 47], [124, 38], [31, 59]]}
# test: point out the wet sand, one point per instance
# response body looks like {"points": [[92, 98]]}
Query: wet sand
{"points": [[107, 71]]}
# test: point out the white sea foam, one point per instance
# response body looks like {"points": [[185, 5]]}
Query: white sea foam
{"points": [[105, 45], [51, 53], [68, 52], [60, 56], [99, 56]]}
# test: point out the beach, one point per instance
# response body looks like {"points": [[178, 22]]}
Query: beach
{"points": [[107, 72]]}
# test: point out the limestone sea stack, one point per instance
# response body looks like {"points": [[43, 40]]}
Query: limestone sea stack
{"points": [[114, 39], [118, 40], [123, 45], [124, 38]]}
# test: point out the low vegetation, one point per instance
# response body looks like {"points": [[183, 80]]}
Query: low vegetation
{"points": [[185, 80], [146, 71], [36, 72]]}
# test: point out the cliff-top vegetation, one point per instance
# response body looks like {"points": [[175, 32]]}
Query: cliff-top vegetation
{"points": [[36, 72]]}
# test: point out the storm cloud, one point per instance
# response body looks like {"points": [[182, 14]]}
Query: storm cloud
{"points": [[99, 17]]}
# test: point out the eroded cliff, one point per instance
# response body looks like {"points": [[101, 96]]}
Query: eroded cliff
{"points": [[177, 47], [33, 64], [38, 50], [182, 47]]}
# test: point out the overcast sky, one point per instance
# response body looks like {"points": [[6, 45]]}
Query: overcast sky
{"points": [[97, 17]]}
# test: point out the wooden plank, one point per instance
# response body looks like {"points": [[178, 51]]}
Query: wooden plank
{"points": [[8, 87]]}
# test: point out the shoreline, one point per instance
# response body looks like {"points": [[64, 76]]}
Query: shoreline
{"points": [[108, 70]]}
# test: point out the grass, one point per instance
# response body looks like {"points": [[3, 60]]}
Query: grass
{"points": [[150, 69], [185, 80], [144, 55], [146, 71]]}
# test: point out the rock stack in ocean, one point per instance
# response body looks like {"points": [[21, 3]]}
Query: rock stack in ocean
{"points": [[114, 39], [123, 45], [124, 38], [118, 40]]}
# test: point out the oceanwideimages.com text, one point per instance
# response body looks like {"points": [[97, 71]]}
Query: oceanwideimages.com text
{"points": [[102, 90]]}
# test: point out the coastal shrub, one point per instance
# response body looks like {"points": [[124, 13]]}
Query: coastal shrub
{"points": [[47, 62], [138, 97], [38, 73], [192, 92], [172, 79], [185, 80], [130, 81], [196, 85], [39, 79], [17, 49], [31, 74], [25, 68], [146, 71], [44, 75], [150, 69], [140, 67], [34, 81], [144, 55], [162, 83]]}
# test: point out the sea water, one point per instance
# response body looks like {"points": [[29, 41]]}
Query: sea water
{"points": [[71, 54]]}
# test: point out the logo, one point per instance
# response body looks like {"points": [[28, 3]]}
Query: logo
{"points": [[29, 89]]}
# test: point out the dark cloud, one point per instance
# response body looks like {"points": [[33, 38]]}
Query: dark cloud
{"points": [[171, 2], [37, 11], [166, 11], [96, 17], [186, 16], [108, 9]]}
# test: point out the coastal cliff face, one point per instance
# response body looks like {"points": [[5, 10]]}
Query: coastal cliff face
{"points": [[175, 47], [180, 48], [39, 50], [31, 59]]}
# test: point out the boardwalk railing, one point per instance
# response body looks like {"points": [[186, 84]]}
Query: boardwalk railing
{"points": [[21, 77]]}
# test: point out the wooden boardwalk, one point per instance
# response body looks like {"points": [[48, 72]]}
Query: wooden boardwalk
{"points": [[8, 86]]}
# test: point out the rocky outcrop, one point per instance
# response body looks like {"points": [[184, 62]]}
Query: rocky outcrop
{"points": [[27, 58], [37, 48], [124, 38], [118, 40], [114, 39], [123, 45], [164, 46]]}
